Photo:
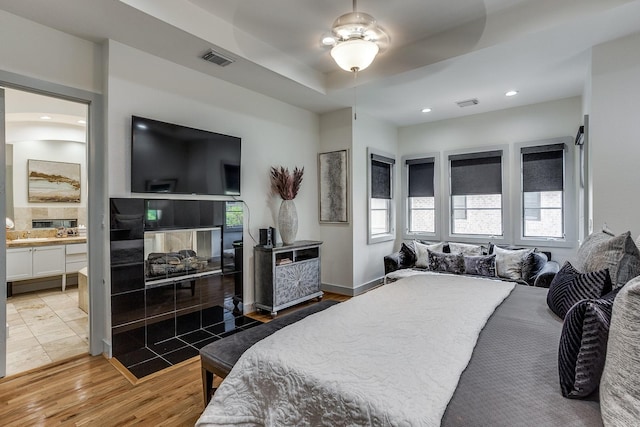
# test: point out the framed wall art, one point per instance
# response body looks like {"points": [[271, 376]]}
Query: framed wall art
{"points": [[333, 174], [53, 182]]}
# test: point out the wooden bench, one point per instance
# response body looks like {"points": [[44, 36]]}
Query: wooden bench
{"points": [[218, 357]]}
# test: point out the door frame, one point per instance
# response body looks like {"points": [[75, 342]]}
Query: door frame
{"points": [[96, 206]]}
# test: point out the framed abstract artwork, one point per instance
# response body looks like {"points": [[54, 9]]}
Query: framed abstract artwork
{"points": [[53, 182], [333, 174]]}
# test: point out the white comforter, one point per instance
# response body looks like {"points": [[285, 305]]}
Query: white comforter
{"points": [[390, 357]]}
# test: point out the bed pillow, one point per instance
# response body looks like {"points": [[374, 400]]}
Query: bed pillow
{"points": [[570, 286], [465, 249], [449, 263], [620, 384], [509, 262], [583, 346], [480, 265], [422, 256], [619, 254]]}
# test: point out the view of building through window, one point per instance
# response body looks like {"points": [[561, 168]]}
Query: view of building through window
{"points": [[477, 214], [422, 215], [543, 214]]}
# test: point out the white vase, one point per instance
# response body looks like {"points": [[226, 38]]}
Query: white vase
{"points": [[288, 222]]}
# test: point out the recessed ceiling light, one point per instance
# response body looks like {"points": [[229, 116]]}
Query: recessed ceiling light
{"points": [[45, 117], [511, 93], [426, 110], [82, 122]]}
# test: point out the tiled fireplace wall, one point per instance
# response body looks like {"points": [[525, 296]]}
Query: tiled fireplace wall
{"points": [[144, 317]]}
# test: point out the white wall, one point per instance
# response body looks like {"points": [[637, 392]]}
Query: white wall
{"points": [[368, 260], [33, 50], [528, 123], [336, 132], [273, 134], [614, 136]]}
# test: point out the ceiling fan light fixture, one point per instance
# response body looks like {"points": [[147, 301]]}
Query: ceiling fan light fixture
{"points": [[355, 54], [357, 40]]}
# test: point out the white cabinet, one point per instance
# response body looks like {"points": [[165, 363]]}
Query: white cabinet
{"points": [[76, 257], [19, 264], [37, 261]]}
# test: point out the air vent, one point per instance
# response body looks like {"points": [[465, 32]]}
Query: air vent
{"points": [[217, 58], [468, 102]]}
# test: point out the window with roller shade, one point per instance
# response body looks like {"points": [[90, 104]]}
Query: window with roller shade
{"points": [[543, 187], [476, 193], [421, 209], [381, 206]]}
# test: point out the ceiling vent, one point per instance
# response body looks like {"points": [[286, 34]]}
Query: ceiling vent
{"points": [[217, 58], [468, 102]]}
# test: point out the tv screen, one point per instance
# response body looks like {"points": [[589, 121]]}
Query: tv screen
{"points": [[169, 158]]}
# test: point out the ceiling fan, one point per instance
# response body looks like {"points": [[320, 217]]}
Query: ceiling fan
{"points": [[356, 38]]}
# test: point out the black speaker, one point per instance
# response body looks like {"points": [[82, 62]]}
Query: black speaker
{"points": [[266, 236]]}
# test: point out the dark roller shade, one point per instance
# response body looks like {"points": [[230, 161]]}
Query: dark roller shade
{"points": [[380, 180], [421, 173], [476, 173], [543, 168]]}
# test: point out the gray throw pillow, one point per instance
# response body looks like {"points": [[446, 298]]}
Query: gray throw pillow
{"points": [[509, 262], [619, 254], [482, 265], [449, 263], [620, 384], [422, 257]]}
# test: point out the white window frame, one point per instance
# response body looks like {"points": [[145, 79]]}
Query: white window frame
{"points": [[569, 197], [391, 235], [406, 234], [506, 199]]}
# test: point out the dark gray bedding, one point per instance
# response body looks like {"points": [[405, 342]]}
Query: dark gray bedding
{"points": [[512, 377]]}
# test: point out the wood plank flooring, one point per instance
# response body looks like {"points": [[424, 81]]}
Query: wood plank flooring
{"points": [[90, 391]]}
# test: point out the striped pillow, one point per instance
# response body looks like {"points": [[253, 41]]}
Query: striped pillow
{"points": [[583, 346], [570, 286]]}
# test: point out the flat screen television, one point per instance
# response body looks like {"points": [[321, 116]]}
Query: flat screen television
{"points": [[170, 158]]}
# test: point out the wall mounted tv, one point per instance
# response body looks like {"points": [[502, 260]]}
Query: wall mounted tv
{"points": [[169, 158]]}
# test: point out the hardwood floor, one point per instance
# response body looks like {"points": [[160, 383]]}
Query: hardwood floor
{"points": [[90, 391]]}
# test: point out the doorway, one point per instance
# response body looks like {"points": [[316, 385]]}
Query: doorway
{"points": [[46, 203]]}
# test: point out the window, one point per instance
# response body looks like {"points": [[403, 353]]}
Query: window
{"points": [[543, 191], [381, 206], [476, 193], [421, 209], [233, 214]]}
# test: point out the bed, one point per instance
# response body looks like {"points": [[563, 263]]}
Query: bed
{"points": [[431, 349]]}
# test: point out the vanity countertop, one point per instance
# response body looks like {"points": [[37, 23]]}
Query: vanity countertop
{"points": [[45, 241]]}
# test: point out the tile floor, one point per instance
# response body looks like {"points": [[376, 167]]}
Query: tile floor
{"points": [[44, 327]]}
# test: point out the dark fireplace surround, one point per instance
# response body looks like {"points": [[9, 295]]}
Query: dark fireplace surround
{"points": [[164, 307]]}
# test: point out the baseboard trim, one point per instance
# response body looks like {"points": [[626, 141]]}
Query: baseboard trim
{"points": [[352, 292]]}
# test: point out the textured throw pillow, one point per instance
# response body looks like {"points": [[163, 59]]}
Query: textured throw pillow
{"points": [[408, 254], [422, 256], [570, 286], [620, 384], [481, 265], [465, 249], [618, 253], [532, 264], [509, 262], [583, 346], [449, 263]]}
